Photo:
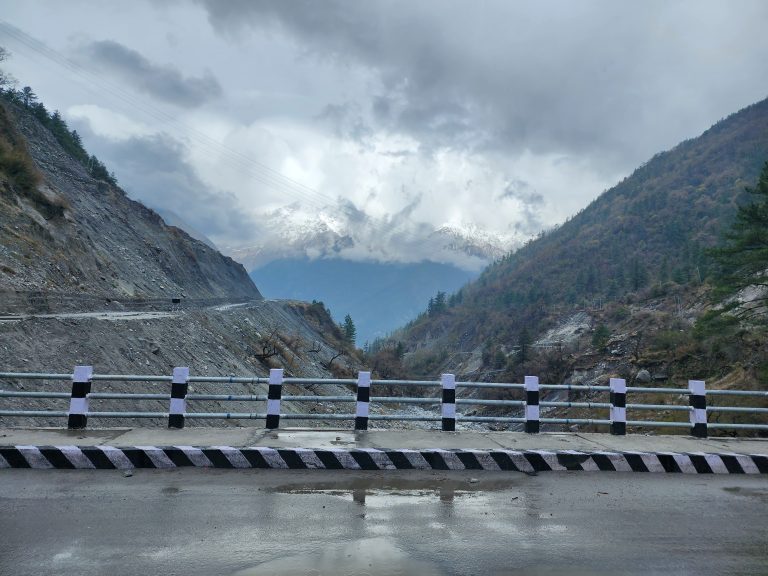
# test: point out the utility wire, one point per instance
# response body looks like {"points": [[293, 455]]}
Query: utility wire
{"points": [[92, 81]]}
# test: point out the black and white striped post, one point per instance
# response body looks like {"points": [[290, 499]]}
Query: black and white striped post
{"points": [[532, 404], [698, 402], [179, 387], [618, 406], [363, 399], [448, 383], [78, 402], [274, 393]]}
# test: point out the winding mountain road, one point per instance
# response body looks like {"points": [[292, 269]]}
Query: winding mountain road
{"points": [[123, 315]]}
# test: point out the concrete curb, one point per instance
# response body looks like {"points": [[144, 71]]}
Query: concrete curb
{"points": [[528, 461]]}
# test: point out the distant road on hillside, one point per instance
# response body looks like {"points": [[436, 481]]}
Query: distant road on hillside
{"points": [[112, 315]]}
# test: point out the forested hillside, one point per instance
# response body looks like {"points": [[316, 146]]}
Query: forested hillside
{"points": [[644, 239], [624, 288]]}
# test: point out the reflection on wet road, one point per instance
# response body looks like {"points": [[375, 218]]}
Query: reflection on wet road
{"points": [[379, 556], [253, 522]]}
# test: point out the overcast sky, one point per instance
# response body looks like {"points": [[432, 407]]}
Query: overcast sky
{"points": [[505, 115]]}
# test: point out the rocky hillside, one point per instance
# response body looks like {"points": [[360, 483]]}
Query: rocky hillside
{"points": [[88, 276], [379, 296], [623, 289], [241, 339], [64, 231]]}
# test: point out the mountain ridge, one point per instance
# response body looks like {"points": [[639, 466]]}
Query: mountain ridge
{"points": [[347, 233], [73, 232], [650, 230]]}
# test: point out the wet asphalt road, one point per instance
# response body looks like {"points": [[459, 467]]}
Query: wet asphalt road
{"points": [[253, 522]]}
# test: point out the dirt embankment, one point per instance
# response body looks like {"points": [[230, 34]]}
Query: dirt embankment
{"points": [[240, 339]]}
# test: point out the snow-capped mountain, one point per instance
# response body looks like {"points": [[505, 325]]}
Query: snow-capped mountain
{"points": [[348, 233]]}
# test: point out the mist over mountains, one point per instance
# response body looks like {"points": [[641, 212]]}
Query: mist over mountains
{"points": [[634, 261], [382, 272], [344, 231]]}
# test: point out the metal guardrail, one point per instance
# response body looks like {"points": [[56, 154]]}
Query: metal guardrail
{"points": [[444, 405]]}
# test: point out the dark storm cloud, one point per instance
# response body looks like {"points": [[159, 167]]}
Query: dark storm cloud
{"points": [[611, 80], [531, 203], [162, 82], [154, 171], [522, 191], [347, 122]]}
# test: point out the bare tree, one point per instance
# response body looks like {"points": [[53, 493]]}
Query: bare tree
{"points": [[5, 78], [337, 354], [268, 345]]}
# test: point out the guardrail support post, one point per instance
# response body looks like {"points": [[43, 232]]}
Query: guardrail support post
{"points": [[448, 382], [273, 397], [618, 413], [532, 404], [78, 402], [698, 402], [179, 387], [363, 399]]}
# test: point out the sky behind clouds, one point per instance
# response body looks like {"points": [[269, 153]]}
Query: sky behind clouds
{"points": [[507, 116]]}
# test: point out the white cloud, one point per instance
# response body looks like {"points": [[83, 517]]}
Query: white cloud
{"points": [[508, 116], [108, 123]]}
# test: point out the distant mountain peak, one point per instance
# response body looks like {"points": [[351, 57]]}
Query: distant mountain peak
{"points": [[348, 233]]}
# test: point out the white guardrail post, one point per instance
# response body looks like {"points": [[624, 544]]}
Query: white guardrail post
{"points": [[363, 400], [698, 402], [532, 404], [448, 383], [274, 393], [78, 402], [618, 411], [179, 388]]}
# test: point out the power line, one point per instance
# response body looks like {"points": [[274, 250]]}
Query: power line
{"points": [[90, 80]]}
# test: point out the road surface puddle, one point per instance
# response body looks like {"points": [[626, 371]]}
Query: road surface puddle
{"points": [[367, 557], [372, 498], [759, 494]]}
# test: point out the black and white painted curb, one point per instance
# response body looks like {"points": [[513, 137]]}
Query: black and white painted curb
{"points": [[110, 457]]}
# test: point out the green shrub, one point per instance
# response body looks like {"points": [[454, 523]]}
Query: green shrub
{"points": [[18, 166]]}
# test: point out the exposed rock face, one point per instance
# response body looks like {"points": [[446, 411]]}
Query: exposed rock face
{"points": [[77, 234], [89, 277], [212, 341], [643, 377]]}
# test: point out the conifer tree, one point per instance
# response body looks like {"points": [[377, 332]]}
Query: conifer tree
{"points": [[523, 346], [350, 332], [5, 78], [743, 258], [28, 96]]}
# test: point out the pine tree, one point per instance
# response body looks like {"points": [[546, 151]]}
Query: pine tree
{"points": [[523, 346], [5, 78], [350, 332], [28, 97], [440, 301], [437, 304], [743, 259], [639, 275], [601, 336]]}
